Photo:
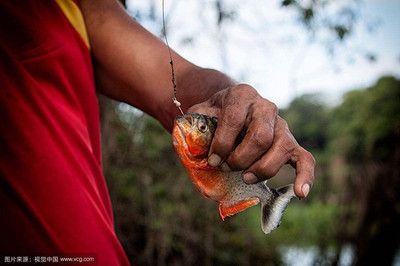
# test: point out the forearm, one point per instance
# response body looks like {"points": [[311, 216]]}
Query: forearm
{"points": [[132, 65]]}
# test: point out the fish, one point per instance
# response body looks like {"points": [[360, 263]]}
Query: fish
{"points": [[192, 135]]}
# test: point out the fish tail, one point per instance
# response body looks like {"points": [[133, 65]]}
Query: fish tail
{"points": [[272, 207]]}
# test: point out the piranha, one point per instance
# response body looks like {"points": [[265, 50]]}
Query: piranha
{"points": [[192, 135]]}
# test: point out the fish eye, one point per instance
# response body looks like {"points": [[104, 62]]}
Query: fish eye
{"points": [[202, 126]]}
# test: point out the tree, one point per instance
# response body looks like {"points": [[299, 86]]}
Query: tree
{"points": [[366, 130], [161, 219], [308, 119]]}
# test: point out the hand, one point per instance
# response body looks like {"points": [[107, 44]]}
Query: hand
{"points": [[267, 144]]}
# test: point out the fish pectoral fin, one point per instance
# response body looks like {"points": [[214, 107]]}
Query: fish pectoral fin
{"points": [[226, 209]]}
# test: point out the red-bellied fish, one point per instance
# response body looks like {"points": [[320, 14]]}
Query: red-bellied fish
{"points": [[192, 135]]}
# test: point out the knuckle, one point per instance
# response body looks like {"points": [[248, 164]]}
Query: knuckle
{"points": [[283, 123], [271, 107], [262, 138], [309, 157], [265, 108], [286, 146], [244, 90]]}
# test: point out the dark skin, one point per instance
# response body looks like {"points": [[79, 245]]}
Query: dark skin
{"points": [[132, 66]]}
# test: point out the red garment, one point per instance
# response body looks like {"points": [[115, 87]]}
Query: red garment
{"points": [[53, 196]]}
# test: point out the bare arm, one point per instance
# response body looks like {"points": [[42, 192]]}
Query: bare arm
{"points": [[132, 65]]}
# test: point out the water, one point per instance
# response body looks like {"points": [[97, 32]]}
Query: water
{"points": [[303, 256], [299, 256], [397, 259]]}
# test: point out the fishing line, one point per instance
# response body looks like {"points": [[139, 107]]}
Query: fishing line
{"points": [[171, 63]]}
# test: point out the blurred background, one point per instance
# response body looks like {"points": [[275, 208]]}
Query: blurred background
{"points": [[333, 68]]}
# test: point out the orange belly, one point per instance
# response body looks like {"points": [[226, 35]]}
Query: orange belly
{"points": [[211, 184]]}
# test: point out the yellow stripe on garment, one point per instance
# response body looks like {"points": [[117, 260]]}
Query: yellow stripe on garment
{"points": [[74, 15]]}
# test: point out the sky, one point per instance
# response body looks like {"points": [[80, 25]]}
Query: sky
{"points": [[266, 46]]}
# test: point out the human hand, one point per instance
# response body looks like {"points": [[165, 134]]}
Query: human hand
{"points": [[267, 144]]}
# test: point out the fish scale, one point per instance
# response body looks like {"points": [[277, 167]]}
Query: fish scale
{"points": [[192, 136]]}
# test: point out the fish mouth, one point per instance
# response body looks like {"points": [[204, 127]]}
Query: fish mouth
{"points": [[182, 121], [180, 130]]}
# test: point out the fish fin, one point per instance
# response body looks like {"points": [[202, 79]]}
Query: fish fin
{"points": [[226, 210], [272, 209]]}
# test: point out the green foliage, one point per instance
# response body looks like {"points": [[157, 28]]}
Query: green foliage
{"points": [[308, 120], [159, 213], [346, 126], [301, 225], [162, 219], [321, 15], [367, 124]]}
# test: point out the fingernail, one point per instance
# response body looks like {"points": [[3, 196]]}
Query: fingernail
{"points": [[249, 178], [305, 188], [214, 160], [225, 167]]}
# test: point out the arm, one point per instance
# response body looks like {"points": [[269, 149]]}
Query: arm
{"points": [[132, 65]]}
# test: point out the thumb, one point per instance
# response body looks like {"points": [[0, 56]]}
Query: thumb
{"points": [[205, 109]]}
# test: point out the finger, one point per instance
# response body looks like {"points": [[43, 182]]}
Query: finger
{"points": [[204, 108], [272, 161], [258, 138], [230, 124], [231, 120], [305, 165], [210, 107]]}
